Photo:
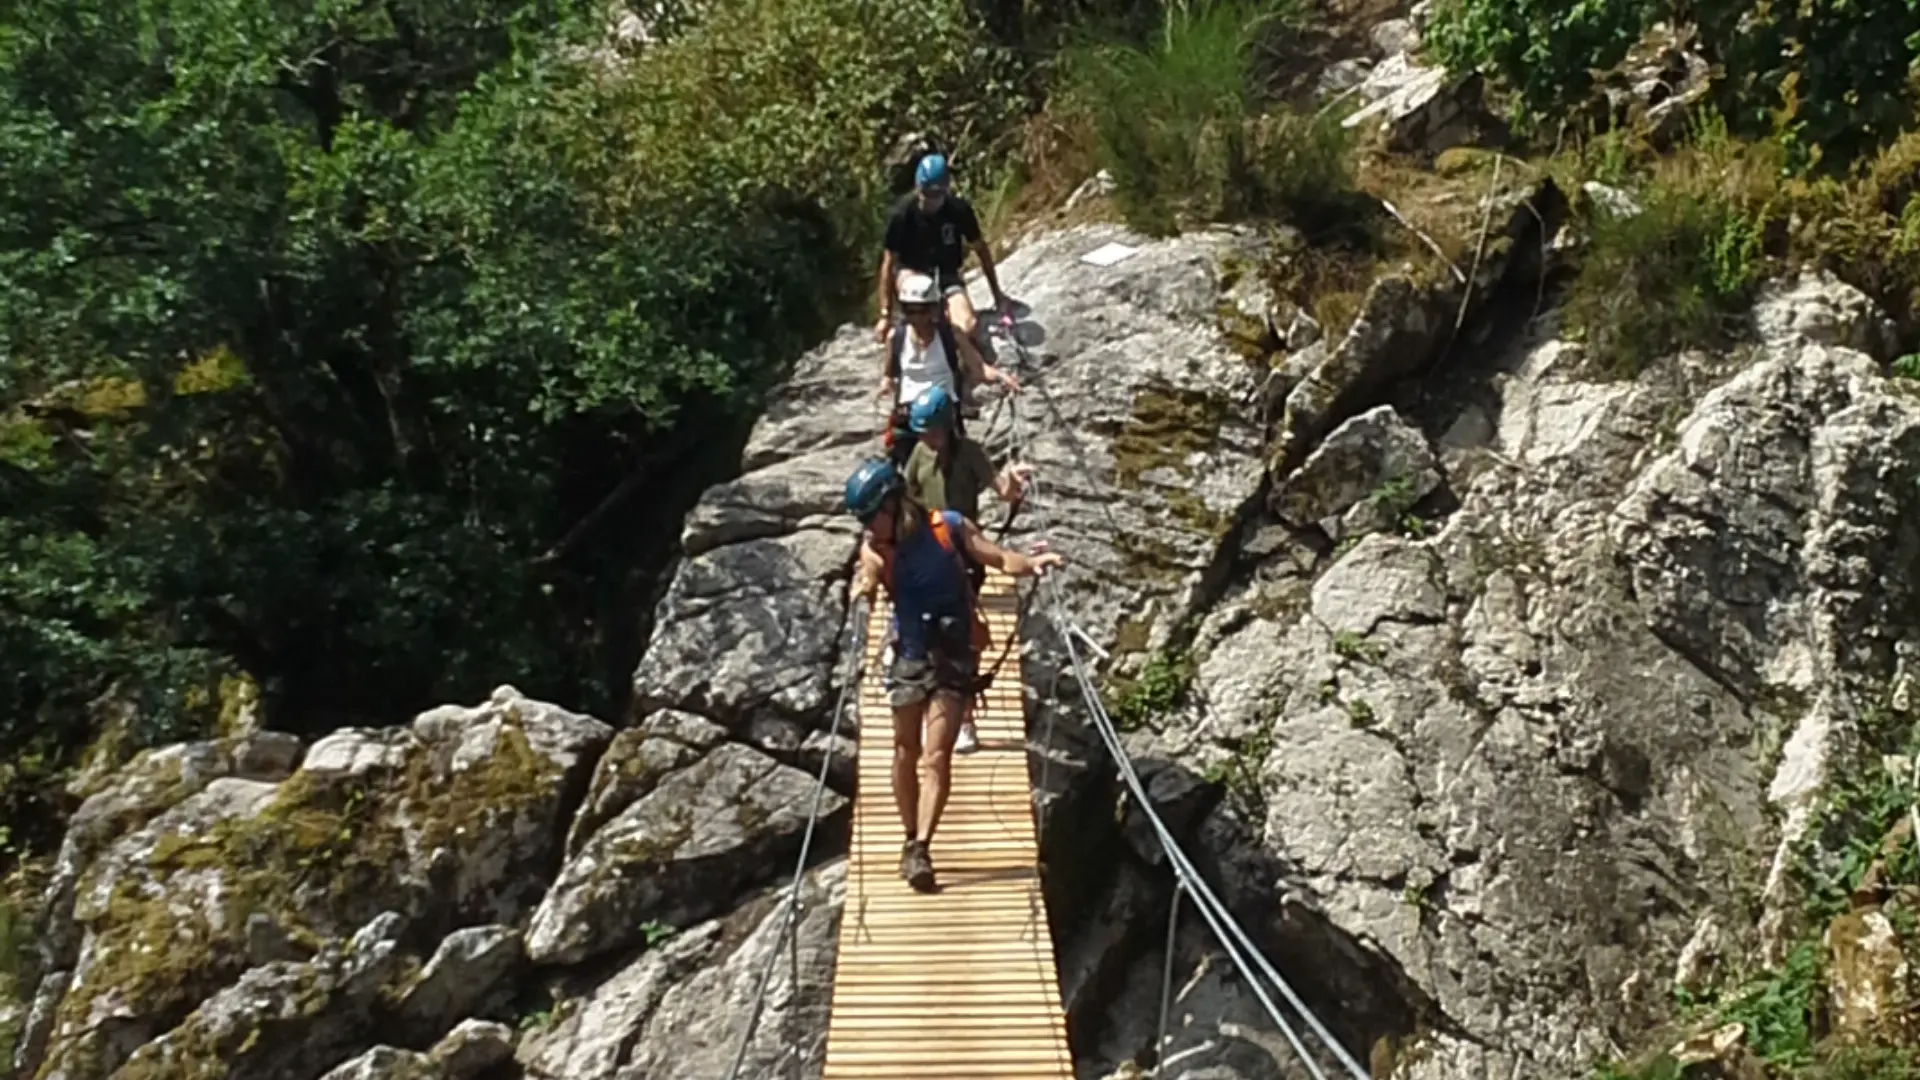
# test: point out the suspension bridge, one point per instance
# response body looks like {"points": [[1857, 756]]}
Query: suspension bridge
{"points": [[961, 984]]}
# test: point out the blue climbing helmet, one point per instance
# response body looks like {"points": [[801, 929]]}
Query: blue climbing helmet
{"points": [[869, 486], [932, 408], [932, 173]]}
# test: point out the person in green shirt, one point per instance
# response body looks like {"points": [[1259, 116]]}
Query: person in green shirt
{"points": [[948, 471]]}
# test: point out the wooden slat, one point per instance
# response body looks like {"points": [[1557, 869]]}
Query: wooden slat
{"points": [[959, 985]]}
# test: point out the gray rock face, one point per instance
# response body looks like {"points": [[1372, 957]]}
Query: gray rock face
{"points": [[749, 630], [677, 854], [281, 1021], [1520, 763], [680, 1009], [1138, 421], [450, 819], [1369, 470]]}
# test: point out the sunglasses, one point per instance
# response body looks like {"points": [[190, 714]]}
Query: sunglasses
{"points": [[919, 309]]}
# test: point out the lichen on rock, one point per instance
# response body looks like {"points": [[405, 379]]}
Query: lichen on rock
{"points": [[452, 819]]}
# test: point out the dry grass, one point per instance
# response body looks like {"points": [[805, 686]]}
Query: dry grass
{"points": [[1055, 155]]}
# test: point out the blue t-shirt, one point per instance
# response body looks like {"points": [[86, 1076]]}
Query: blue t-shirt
{"points": [[929, 584]]}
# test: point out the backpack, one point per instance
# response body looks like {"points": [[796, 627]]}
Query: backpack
{"points": [[947, 341], [937, 520]]}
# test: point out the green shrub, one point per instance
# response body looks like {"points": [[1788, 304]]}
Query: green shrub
{"points": [[1159, 689], [1675, 276], [1828, 77], [1179, 127], [1546, 50], [1679, 273], [324, 323]]}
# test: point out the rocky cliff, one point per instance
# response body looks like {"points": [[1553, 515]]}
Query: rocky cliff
{"points": [[1503, 701], [1494, 694]]}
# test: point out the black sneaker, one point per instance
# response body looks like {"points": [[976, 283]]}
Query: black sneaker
{"points": [[917, 866]]}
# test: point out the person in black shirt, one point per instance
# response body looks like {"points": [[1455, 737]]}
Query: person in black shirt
{"points": [[930, 231]]}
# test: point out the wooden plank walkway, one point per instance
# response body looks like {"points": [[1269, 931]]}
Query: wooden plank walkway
{"points": [[960, 984]]}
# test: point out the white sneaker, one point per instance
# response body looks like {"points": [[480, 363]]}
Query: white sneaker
{"points": [[966, 742]]}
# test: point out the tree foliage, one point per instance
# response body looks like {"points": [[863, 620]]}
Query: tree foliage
{"points": [[1833, 78], [1546, 50], [324, 321]]}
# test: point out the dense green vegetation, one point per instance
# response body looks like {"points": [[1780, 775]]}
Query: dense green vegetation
{"points": [[1824, 76], [368, 353], [1798, 152], [1180, 124]]}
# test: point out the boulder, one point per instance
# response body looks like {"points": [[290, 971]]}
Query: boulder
{"points": [[1369, 470], [1419, 107], [678, 854], [466, 969], [387, 1063], [451, 820], [472, 1048], [280, 1021], [1820, 308], [1869, 979], [681, 1007]]}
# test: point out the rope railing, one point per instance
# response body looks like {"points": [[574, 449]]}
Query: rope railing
{"points": [[1189, 884], [1233, 938], [795, 908]]}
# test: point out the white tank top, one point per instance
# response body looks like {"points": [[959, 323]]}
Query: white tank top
{"points": [[921, 368]]}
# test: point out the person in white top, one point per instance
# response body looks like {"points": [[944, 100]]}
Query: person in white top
{"points": [[923, 351]]}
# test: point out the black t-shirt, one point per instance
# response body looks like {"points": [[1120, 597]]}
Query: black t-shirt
{"points": [[932, 243]]}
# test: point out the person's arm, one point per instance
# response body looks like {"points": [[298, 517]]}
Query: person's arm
{"points": [[1011, 482], [869, 576], [1006, 484], [885, 289], [887, 383], [1012, 562], [985, 251]]}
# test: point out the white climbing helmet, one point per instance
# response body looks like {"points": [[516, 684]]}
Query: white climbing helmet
{"points": [[917, 288]]}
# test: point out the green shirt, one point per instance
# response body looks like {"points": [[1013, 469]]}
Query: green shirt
{"points": [[955, 484]]}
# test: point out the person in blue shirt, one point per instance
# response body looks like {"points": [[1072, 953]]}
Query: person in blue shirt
{"points": [[916, 555]]}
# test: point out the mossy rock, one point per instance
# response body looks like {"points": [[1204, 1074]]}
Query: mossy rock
{"points": [[320, 856]]}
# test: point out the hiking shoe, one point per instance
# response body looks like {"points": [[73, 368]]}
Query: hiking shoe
{"points": [[967, 741], [917, 866]]}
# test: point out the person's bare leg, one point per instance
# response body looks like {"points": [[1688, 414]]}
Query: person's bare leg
{"points": [[906, 762], [973, 365], [936, 762]]}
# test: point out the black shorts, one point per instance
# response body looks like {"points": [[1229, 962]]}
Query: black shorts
{"points": [[948, 668], [949, 281]]}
